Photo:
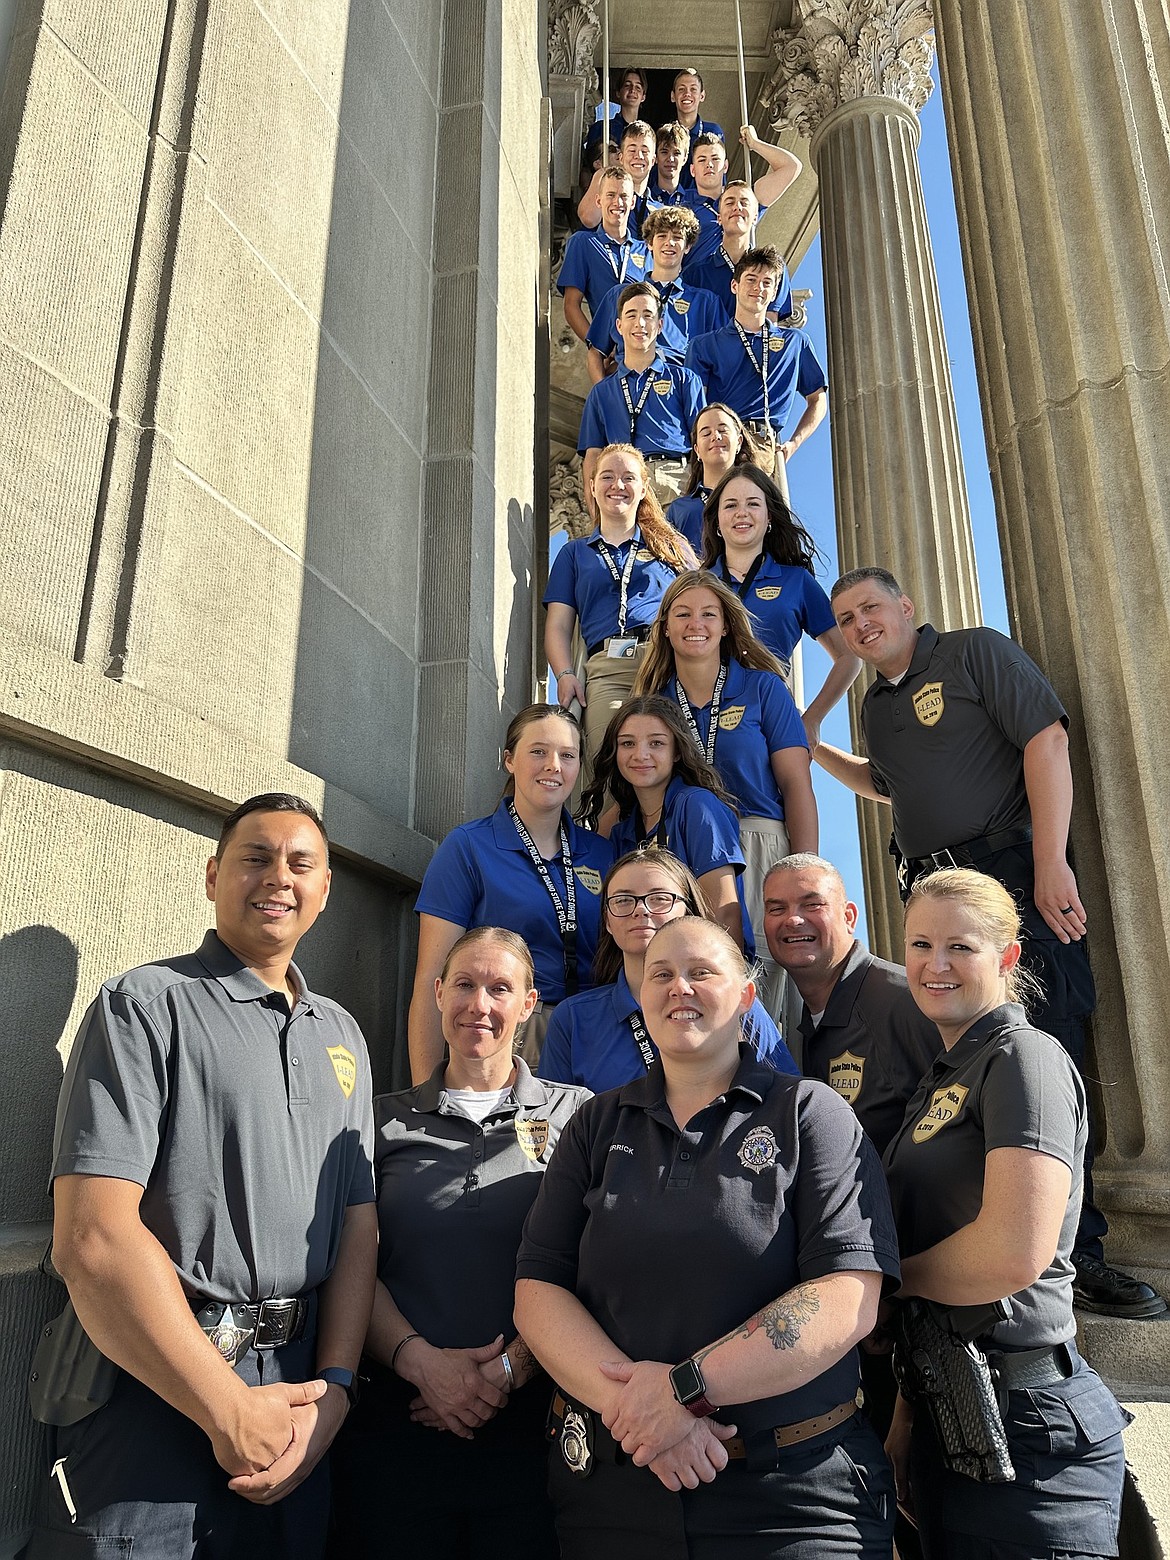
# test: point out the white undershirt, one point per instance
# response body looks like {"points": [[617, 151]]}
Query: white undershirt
{"points": [[476, 1104], [816, 1018]]}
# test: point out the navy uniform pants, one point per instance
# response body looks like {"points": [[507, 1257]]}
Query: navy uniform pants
{"points": [[145, 1482], [825, 1499]]}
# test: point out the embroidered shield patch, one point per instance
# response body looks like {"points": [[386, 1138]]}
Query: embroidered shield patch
{"points": [[928, 704], [589, 879], [533, 1138], [945, 1105], [345, 1067], [758, 1150], [768, 592], [731, 718], [846, 1075]]}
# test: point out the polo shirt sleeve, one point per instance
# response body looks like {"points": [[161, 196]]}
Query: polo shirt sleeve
{"points": [[759, 1030], [816, 613], [574, 270], [707, 833], [556, 1056], [602, 332], [810, 375], [692, 397], [1031, 1098], [1015, 692], [840, 1201], [114, 1095], [592, 434], [550, 1246], [700, 358], [779, 718], [361, 1181], [452, 884], [562, 578]]}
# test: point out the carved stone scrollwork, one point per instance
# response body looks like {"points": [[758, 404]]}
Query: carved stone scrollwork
{"points": [[566, 507], [574, 32], [849, 49]]}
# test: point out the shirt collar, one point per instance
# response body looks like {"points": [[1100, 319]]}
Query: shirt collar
{"points": [[506, 837], [526, 1090], [622, 998], [1009, 1015], [658, 366], [919, 661], [844, 995], [752, 1077], [597, 537], [241, 983]]}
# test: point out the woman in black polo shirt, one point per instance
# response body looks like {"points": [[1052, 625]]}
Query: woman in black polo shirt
{"points": [[706, 1249], [985, 1177], [439, 1458]]}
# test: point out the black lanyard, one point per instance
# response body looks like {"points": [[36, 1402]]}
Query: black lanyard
{"points": [[622, 580], [641, 1039], [713, 729], [566, 913], [625, 250], [741, 587], [761, 369], [630, 407], [727, 260], [657, 836]]}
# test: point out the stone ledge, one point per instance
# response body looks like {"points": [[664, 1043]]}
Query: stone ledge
{"points": [[1145, 1511], [1128, 1354]]}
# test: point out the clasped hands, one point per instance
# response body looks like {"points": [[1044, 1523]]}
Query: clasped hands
{"points": [[459, 1389], [643, 1415]]}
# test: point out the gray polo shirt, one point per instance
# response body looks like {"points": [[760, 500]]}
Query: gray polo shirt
{"points": [[1002, 1085], [872, 1044], [248, 1126], [452, 1198], [946, 743]]}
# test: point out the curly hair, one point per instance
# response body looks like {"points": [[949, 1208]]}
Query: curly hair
{"points": [[689, 764], [739, 643], [785, 540]]}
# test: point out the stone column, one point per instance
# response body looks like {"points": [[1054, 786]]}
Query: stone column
{"points": [[851, 77], [1062, 182]]}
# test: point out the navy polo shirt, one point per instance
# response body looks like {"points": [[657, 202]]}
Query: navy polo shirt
{"points": [[757, 717], [706, 209], [714, 273], [589, 1039], [594, 262], [668, 414], [1001, 1085], [580, 579], [670, 1238], [452, 1198], [946, 743], [686, 311], [686, 178], [686, 515], [721, 362], [643, 206], [784, 602], [482, 875], [247, 1125], [667, 197], [873, 1044]]}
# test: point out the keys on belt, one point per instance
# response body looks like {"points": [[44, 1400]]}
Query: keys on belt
{"points": [[236, 1327]]}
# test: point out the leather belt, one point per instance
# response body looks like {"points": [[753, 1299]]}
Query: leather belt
{"points": [[803, 1430], [657, 458], [1033, 1367], [972, 852], [641, 634], [237, 1326]]}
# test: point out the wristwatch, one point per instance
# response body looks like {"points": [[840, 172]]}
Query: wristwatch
{"points": [[689, 1388], [338, 1376]]}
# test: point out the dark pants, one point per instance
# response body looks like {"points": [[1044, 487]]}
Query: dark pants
{"points": [[881, 1395], [828, 1499], [144, 1480], [1070, 996]]}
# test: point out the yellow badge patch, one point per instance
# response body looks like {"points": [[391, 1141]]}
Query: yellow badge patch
{"points": [[777, 343], [731, 718], [846, 1074], [533, 1138], [663, 386], [680, 305], [644, 555], [928, 704], [945, 1105], [345, 1066], [588, 879], [638, 259], [768, 592]]}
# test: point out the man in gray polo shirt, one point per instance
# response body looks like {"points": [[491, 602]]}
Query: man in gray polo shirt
{"points": [[967, 741], [215, 1226], [862, 1033]]}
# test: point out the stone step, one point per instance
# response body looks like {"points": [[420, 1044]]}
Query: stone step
{"points": [[1132, 1356]]}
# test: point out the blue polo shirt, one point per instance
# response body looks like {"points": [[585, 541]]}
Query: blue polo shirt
{"points": [[590, 1041], [580, 579], [686, 178], [667, 197], [668, 413], [706, 208], [700, 830], [643, 206], [594, 262], [784, 601], [481, 875], [721, 362], [686, 515], [686, 311], [714, 273], [757, 717]]}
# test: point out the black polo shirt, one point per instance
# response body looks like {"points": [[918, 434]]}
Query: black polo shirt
{"points": [[248, 1126], [946, 743], [671, 1239], [452, 1197], [1002, 1085], [872, 1044]]}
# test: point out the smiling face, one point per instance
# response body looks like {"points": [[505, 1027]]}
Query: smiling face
{"points": [[743, 514], [668, 248], [708, 165], [632, 933], [717, 443], [638, 323], [695, 625], [637, 155], [755, 289], [686, 95], [694, 992], [808, 922], [269, 884], [544, 764], [738, 211], [616, 197], [877, 625], [618, 485], [483, 998], [645, 751], [955, 971], [631, 94]]}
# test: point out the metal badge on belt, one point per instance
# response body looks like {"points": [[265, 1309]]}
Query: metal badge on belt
{"points": [[577, 1440]]}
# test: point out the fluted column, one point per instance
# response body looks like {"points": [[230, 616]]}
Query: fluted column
{"points": [[851, 78], [1061, 153]]}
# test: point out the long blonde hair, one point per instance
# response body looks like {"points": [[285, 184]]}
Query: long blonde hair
{"points": [[739, 643], [658, 535]]}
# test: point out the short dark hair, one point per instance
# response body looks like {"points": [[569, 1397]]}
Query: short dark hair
{"points": [[870, 571], [708, 138], [632, 70], [687, 70], [639, 290], [763, 257], [270, 801]]}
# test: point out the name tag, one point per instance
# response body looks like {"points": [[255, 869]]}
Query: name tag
{"points": [[621, 649]]}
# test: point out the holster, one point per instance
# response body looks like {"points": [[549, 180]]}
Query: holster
{"points": [[947, 1373], [70, 1377]]}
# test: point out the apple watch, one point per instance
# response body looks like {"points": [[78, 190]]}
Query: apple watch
{"points": [[338, 1376], [689, 1388]]}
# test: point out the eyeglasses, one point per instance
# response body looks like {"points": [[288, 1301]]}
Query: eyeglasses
{"points": [[658, 902]]}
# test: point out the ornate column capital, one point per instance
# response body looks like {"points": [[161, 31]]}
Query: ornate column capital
{"points": [[574, 31], [845, 50]]}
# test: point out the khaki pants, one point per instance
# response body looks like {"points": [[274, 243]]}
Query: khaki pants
{"points": [[764, 841], [667, 478]]}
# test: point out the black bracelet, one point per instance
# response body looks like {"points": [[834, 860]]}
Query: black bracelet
{"points": [[410, 1337]]}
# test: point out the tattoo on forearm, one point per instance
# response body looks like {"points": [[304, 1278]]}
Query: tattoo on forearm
{"points": [[781, 1321], [524, 1362]]}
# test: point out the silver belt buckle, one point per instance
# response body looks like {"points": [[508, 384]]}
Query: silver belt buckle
{"points": [[575, 1448], [620, 649]]}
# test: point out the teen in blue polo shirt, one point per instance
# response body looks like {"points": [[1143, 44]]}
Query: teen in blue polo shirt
{"points": [[596, 261], [526, 866], [671, 155], [709, 166], [636, 156], [753, 542], [599, 1035], [688, 94], [720, 441], [739, 212], [631, 94]]}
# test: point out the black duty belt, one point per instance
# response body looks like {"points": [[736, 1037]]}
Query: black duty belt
{"points": [[680, 458], [237, 1326], [641, 634], [971, 852], [1032, 1367]]}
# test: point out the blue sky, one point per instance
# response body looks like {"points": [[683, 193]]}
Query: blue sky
{"points": [[811, 474]]}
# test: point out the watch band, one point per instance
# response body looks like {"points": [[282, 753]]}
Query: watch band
{"points": [[338, 1376], [690, 1390]]}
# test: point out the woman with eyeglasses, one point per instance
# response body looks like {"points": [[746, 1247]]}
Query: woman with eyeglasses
{"points": [[598, 1038]]}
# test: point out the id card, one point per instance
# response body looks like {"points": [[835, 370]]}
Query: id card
{"points": [[621, 649]]}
